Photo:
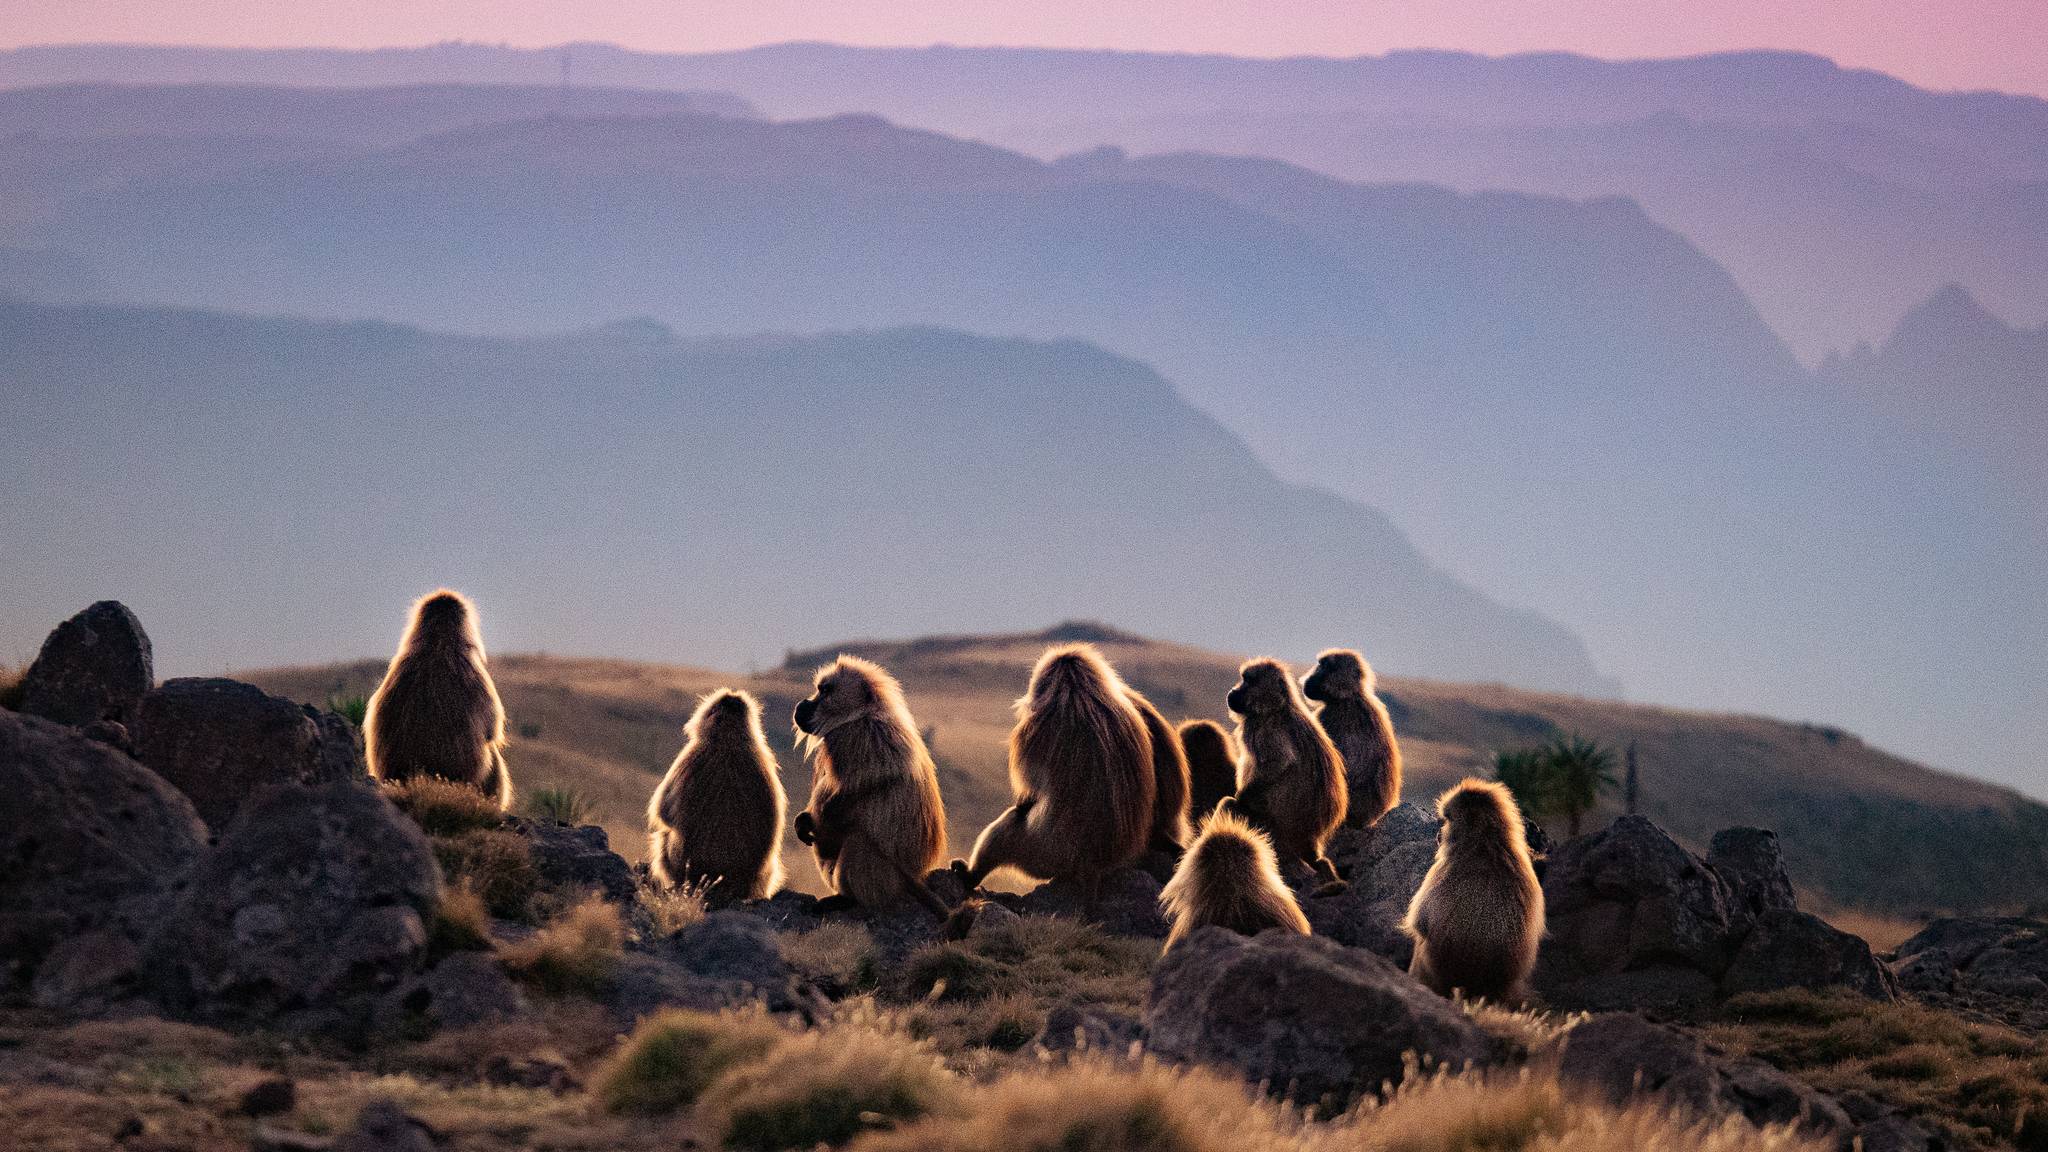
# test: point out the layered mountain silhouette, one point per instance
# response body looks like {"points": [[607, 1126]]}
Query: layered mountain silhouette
{"points": [[269, 488]]}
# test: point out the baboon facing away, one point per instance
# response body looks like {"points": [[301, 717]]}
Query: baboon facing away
{"points": [[1290, 780], [1229, 878], [1081, 773], [1212, 766], [437, 712], [1478, 917], [875, 820], [1170, 831], [1356, 721], [716, 818]]}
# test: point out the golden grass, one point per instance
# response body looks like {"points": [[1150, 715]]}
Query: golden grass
{"points": [[1882, 931], [496, 865], [673, 1056], [443, 807], [828, 1085], [460, 924], [577, 953], [674, 909], [839, 957]]}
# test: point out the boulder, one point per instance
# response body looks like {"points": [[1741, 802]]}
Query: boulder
{"points": [[95, 666], [732, 946], [311, 907], [220, 741], [1996, 966], [463, 990], [572, 858], [1127, 903], [1749, 862], [1790, 949], [383, 1126], [1314, 1019], [1621, 1055], [91, 846], [1385, 865]]}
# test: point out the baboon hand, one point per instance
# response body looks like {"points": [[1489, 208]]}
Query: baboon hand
{"points": [[806, 828]]}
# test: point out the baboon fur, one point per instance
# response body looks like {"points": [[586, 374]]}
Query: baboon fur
{"points": [[1356, 721], [1229, 878], [1290, 779], [1212, 766], [437, 712], [1081, 774], [715, 821], [1170, 830], [875, 821], [1478, 917]]}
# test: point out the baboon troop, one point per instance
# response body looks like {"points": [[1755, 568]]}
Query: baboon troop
{"points": [[1081, 774], [1212, 766], [1229, 878], [1290, 778], [875, 820], [437, 712], [715, 821], [1478, 917], [1356, 721], [1098, 778]]}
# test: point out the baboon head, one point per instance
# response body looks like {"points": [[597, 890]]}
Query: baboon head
{"points": [[1263, 687], [724, 711], [847, 689], [1340, 674], [1480, 811], [443, 616], [1065, 669]]}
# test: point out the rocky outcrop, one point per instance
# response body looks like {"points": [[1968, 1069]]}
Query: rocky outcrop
{"points": [[1791, 949], [310, 908], [577, 858], [463, 990], [221, 741], [1994, 965], [1127, 903], [1311, 1018], [1385, 865], [1749, 862], [94, 667], [91, 846]]}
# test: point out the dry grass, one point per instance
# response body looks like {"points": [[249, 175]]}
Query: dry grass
{"points": [[498, 866], [994, 990], [460, 924], [828, 1085], [561, 805], [1985, 1085], [673, 909], [839, 957], [577, 953], [673, 1056], [443, 807]]}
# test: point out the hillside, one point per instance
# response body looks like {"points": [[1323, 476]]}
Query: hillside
{"points": [[1860, 827]]}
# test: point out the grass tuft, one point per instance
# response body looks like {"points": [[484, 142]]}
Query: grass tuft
{"points": [[444, 807], [497, 866], [578, 953], [839, 957], [674, 1055], [561, 805], [460, 924], [352, 707], [828, 1086]]}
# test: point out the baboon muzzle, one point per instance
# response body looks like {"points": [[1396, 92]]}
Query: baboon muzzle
{"points": [[806, 710]]}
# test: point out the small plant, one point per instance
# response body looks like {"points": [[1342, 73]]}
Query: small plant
{"points": [[827, 1086], [1521, 772], [561, 805], [673, 909], [350, 706], [460, 924], [1577, 771], [497, 866], [674, 1055], [578, 953], [839, 957], [444, 807]]}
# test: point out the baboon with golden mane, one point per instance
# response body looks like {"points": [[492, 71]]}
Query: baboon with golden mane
{"points": [[1229, 878], [1478, 917], [1081, 774], [1290, 779], [1212, 766], [875, 820], [1356, 721], [437, 712], [1170, 831], [715, 821]]}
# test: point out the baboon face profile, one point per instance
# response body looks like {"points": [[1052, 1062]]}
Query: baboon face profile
{"points": [[1263, 688], [843, 691], [1340, 674], [437, 712]]}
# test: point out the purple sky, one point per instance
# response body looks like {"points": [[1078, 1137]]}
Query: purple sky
{"points": [[1937, 43]]}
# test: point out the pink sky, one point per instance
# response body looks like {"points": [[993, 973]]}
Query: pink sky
{"points": [[1937, 43]]}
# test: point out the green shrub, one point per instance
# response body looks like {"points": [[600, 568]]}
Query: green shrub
{"points": [[674, 1055], [561, 805], [352, 707]]}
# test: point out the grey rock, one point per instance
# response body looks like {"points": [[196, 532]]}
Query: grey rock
{"points": [[1788, 949], [2004, 956], [1666, 991], [269, 1097], [94, 666], [993, 918], [1384, 878], [1311, 1018], [462, 991], [271, 1138], [1074, 1026], [732, 946], [1127, 904], [90, 841], [786, 911], [383, 1126], [577, 859], [1749, 861], [311, 907], [1622, 1055], [90, 972], [221, 741]]}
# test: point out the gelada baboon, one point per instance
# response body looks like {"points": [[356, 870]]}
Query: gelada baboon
{"points": [[437, 712], [1212, 766], [1170, 831], [1229, 878], [875, 820], [1478, 916], [1290, 780], [716, 818], [1081, 773], [1357, 723]]}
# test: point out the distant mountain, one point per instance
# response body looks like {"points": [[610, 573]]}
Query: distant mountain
{"points": [[1837, 197], [1565, 403], [260, 489]]}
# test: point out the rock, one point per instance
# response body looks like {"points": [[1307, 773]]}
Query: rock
{"points": [[311, 907], [1127, 904], [95, 666], [1788, 949], [220, 741], [1749, 862], [90, 973], [90, 842], [111, 733], [1384, 879], [577, 859], [462, 991], [1621, 1055], [382, 1126], [1073, 1026], [1997, 966], [732, 946], [1309, 1017], [786, 911], [269, 1097], [992, 918]]}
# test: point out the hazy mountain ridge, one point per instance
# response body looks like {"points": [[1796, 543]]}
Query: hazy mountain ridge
{"points": [[616, 491]]}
